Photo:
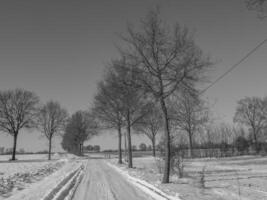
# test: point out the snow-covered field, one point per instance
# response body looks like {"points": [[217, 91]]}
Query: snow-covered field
{"points": [[224, 179], [24, 157], [34, 177]]}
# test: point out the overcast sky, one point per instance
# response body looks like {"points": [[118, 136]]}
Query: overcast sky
{"points": [[58, 49]]}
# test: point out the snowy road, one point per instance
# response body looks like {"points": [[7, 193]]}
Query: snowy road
{"points": [[101, 182]]}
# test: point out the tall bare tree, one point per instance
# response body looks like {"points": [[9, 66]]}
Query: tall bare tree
{"points": [[150, 125], [188, 113], [18, 109], [250, 111], [132, 101], [107, 108], [165, 60], [51, 121]]}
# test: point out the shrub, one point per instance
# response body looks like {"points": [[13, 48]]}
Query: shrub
{"points": [[177, 165], [160, 164], [142, 147], [242, 144], [202, 177]]}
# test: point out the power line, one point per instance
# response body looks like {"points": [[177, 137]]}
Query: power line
{"points": [[234, 66]]}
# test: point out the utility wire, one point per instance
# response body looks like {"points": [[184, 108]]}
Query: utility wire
{"points": [[234, 66]]}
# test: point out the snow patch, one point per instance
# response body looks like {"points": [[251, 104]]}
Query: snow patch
{"points": [[145, 186], [40, 190]]}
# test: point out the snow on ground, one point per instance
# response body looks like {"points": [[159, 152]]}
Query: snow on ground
{"points": [[224, 179], [36, 157], [21, 157], [34, 174], [101, 182], [148, 188], [16, 176], [53, 186]]}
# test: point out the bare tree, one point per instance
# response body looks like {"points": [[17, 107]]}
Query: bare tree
{"points": [[165, 60], [51, 120], [150, 125], [258, 5], [18, 110], [142, 147], [227, 133], [250, 111], [132, 101], [107, 108], [188, 113], [80, 127]]}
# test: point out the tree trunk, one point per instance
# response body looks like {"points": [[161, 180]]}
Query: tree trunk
{"points": [[119, 145], [81, 151], [256, 141], [130, 159], [125, 146], [190, 145], [166, 174], [14, 146], [49, 148], [153, 147]]}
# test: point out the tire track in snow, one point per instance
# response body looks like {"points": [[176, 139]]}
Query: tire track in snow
{"points": [[102, 182]]}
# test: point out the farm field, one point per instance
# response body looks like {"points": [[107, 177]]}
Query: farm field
{"points": [[34, 177], [223, 179]]}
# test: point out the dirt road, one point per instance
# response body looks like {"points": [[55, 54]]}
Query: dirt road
{"points": [[101, 182]]}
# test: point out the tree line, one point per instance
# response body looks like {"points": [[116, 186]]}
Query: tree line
{"points": [[252, 112], [159, 64], [22, 109], [154, 87]]}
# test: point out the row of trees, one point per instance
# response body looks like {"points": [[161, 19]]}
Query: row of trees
{"points": [[158, 64], [95, 148], [153, 87], [252, 112], [20, 109], [80, 127]]}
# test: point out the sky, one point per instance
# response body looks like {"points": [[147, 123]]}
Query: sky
{"points": [[59, 49]]}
